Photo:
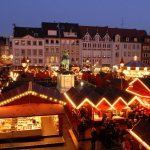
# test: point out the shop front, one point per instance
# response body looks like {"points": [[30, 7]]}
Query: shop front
{"points": [[31, 120]]}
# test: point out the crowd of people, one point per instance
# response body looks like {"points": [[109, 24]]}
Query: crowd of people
{"points": [[110, 133]]}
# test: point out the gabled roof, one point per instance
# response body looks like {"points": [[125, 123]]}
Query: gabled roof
{"points": [[23, 31], [75, 96], [146, 81], [101, 91], [30, 88], [140, 87], [142, 130]]}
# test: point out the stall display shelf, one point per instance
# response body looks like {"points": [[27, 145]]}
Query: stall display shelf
{"points": [[56, 122], [29, 123]]}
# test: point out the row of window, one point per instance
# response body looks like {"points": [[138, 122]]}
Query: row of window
{"points": [[52, 59], [131, 46], [52, 50], [33, 61], [96, 45], [28, 43], [131, 54], [107, 38], [28, 52], [146, 61], [146, 55], [146, 47]]}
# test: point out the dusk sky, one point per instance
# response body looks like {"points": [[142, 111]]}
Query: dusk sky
{"points": [[31, 13]]}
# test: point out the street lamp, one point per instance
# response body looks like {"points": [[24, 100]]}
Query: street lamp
{"points": [[87, 64], [25, 63], [121, 67]]}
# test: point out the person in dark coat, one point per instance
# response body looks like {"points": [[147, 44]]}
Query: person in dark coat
{"points": [[81, 131], [93, 137]]}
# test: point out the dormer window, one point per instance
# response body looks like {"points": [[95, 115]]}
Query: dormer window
{"points": [[117, 39], [52, 32], [35, 34], [135, 39], [87, 38], [127, 38], [97, 38]]}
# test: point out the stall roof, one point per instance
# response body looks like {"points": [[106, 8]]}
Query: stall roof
{"points": [[27, 110], [31, 87], [141, 132], [135, 63]]}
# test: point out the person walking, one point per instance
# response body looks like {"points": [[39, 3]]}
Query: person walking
{"points": [[93, 137]]}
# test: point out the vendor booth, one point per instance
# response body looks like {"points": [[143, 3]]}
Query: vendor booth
{"points": [[31, 110]]}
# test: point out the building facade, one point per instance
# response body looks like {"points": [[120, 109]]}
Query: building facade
{"points": [[87, 46]]}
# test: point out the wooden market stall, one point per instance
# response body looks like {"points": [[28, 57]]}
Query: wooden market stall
{"points": [[30, 110]]}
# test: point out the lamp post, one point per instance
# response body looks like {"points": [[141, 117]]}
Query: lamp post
{"points": [[121, 67], [87, 64], [25, 63]]}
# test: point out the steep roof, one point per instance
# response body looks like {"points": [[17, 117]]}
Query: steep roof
{"points": [[23, 31], [130, 33], [61, 28], [32, 89]]}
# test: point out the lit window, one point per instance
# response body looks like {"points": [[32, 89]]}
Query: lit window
{"points": [[16, 42], [17, 61], [135, 39], [52, 32], [23, 42], [116, 38], [127, 38]]}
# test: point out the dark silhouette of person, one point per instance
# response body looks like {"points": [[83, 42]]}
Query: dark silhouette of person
{"points": [[93, 137], [81, 131]]}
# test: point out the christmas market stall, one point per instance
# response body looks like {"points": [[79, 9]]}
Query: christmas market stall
{"points": [[140, 87], [30, 110]]}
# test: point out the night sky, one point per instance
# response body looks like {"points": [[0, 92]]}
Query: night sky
{"points": [[112, 13]]}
